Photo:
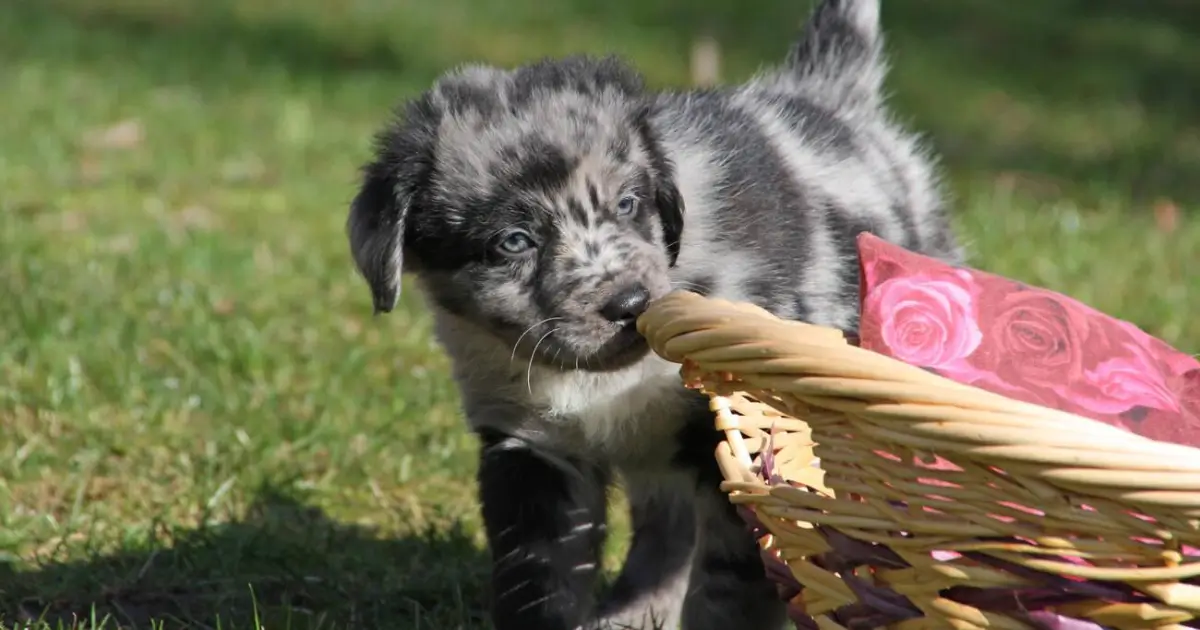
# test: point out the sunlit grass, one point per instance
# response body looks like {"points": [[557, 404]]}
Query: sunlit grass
{"points": [[202, 425]]}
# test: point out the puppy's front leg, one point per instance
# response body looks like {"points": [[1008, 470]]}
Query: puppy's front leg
{"points": [[545, 518], [649, 593], [728, 588]]}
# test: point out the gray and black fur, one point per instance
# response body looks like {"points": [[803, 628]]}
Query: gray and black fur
{"points": [[541, 208]]}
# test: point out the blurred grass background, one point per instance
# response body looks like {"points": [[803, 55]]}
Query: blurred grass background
{"points": [[202, 426]]}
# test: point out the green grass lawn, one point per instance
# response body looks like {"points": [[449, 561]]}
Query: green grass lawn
{"points": [[202, 425]]}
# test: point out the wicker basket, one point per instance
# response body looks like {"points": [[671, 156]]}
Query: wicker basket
{"points": [[1027, 518]]}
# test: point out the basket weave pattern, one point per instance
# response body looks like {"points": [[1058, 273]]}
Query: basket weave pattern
{"points": [[887, 496]]}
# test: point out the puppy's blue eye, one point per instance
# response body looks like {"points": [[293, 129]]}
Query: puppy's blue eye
{"points": [[627, 205], [517, 242]]}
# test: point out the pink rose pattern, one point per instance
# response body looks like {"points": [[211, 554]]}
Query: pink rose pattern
{"points": [[931, 318], [1024, 342]]}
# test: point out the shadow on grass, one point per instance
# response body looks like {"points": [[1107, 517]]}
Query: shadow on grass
{"points": [[199, 42], [1087, 93], [1123, 81], [293, 565]]}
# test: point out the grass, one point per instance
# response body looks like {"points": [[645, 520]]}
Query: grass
{"points": [[202, 426]]}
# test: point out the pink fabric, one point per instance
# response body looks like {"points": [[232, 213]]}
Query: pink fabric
{"points": [[1026, 343]]}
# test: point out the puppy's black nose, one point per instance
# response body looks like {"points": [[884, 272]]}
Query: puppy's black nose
{"points": [[625, 306]]}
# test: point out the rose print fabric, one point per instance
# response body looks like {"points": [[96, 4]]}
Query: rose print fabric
{"points": [[1026, 343]]}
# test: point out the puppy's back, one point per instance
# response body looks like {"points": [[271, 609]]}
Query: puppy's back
{"points": [[780, 174]]}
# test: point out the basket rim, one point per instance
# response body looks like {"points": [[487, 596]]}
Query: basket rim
{"points": [[816, 364]]}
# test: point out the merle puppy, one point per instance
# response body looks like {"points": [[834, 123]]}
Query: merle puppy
{"points": [[542, 208]]}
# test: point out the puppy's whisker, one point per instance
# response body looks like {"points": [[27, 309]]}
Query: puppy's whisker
{"points": [[691, 286], [529, 368], [554, 359], [517, 344]]}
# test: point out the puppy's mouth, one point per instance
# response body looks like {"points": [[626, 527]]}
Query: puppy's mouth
{"points": [[597, 337], [623, 346]]}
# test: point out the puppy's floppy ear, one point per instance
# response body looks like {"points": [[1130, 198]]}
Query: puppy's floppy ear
{"points": [[667, 199], [376, 229], [670, 211], [379, 223]]}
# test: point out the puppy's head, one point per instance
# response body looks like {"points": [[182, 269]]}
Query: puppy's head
{"points": [[536, 203]]}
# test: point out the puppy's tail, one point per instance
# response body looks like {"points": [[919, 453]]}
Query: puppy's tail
{"points": [[839, 56]]}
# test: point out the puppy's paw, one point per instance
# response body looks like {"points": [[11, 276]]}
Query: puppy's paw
{"points": [[644, 619]]}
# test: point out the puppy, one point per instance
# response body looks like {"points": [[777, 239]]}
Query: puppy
{"points": [[543, 208]]}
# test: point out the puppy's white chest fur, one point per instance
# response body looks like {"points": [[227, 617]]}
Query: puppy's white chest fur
{"points": [[623, 413]]}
